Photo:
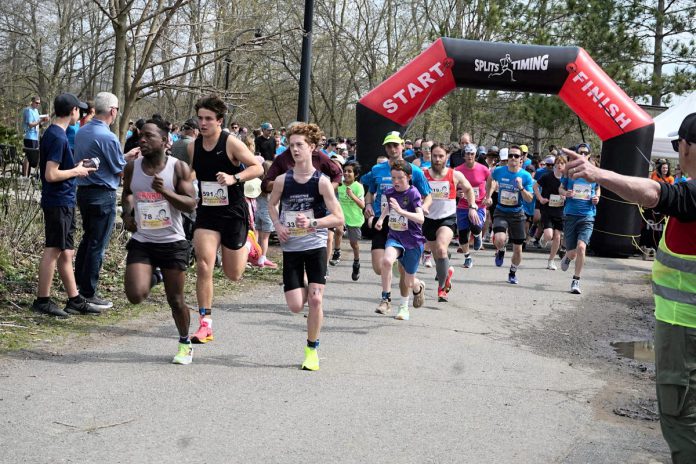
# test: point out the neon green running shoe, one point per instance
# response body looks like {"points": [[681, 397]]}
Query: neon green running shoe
{"points": [[403, 314], [311, 359], [185, 354]]}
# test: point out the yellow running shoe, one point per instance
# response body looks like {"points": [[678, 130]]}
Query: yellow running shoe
{"points": [[311, 359], [185, 354]]}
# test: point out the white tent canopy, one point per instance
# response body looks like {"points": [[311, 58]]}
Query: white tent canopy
{"points": [[669, 122]]}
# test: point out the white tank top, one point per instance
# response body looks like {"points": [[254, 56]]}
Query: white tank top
{"points": [[158, 221]]}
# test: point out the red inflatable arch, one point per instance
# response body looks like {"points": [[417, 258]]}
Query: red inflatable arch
{"points": [[625, 129]]}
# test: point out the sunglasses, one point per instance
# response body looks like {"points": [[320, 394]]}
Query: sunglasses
{"points": [[675, 144], [515, 155], [584, 153]]}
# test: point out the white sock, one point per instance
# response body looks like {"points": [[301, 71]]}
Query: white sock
{"points": [[209, 321], [262, 260], [404, 301]]}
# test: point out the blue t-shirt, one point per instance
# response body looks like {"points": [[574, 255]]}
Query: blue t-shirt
{"points": [[54, 147], [380, 180], [529, 206], [95, 140], [30, 115], [280, 149], [70, 133], [539, 173], [509, 197], [581, 203]]}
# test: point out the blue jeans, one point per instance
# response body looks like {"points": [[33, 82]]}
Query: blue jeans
{"points": [[98, 211]]}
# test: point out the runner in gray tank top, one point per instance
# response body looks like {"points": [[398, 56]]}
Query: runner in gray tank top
{"points": [[156, 189], [309, 208]]}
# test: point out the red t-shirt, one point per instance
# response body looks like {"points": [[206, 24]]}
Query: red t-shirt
{"points": [[679, 202]]}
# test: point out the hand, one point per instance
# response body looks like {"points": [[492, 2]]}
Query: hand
{"points": [[393, 204], [543, 200], [302, 221], [519, 183], [129, 223], [82, 171], [595, 199], [369, 212], [349, 192], [474, 217], [570, 193], [580, 166], [488, 202], [225, 179], [460, 193], [157, 184], [282, 232], [378, 225], [133, 154]]}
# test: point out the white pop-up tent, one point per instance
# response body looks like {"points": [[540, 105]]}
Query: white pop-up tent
{"points": [[669, 122]]}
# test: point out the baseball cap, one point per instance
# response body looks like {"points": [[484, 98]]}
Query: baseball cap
{"points": [[583, 145], [469, 148], [493, 150], [550, 160], [252, 188], [482, 150], [190, 124], [503, 154], [266, 126], [687, 130], [331, 142], [393, 137], [524, 148], [65, 102]]}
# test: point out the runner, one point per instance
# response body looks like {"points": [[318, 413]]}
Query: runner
{"points": [[551, 204], [152, 184], [477, 175], [515, 186], [405, 240], [579, 214], [305, 196], [379, 180], [351, 196], [222, 217], [441, 221]]}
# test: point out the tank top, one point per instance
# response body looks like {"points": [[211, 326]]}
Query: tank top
{"points": [[444, 195], [158, 221], [306, 199], [213, 198]]}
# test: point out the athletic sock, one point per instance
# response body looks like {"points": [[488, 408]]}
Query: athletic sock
{"points": [[386, 296], [404, 301], [467, 255], [313, 345], [513, 268], [441, 267], [184, 339], [76, 299], [42, 299], [262, 260], [576, 277]]}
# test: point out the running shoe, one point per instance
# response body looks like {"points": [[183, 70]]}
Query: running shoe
{"points": [[478, 242], [384, 307], [575, 287], [544, 243], [81, 308], [204, 334], [403, 314], [552, 265], [512, 278], [562, 252], [441, 295], [468, 262], [428, 260], [158, 278], [49, 308], [335, 258], [565, 263], [184, 355], [499, 257], [255, 251], [448, 279], [356, 270], [270, 264], [99, 303], [419, 298], [311, 359]]}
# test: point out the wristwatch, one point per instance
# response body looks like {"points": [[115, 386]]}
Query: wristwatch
{"points": [[236, 178], [313, 223], [473, 207]]}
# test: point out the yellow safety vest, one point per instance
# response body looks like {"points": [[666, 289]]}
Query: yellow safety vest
{"points": [[674, 286]]}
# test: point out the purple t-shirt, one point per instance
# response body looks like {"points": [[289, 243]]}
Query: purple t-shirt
{"points": [[408, 233]]}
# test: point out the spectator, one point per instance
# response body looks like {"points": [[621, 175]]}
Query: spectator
{"points": [[96, 194], [189, 133], [662, 172], [31, 120], [265, 143], [133, 141]]}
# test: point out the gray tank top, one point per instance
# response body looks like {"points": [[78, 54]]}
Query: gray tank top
{"points": [[158, 221]]}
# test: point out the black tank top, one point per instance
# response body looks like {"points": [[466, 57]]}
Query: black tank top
{"points": [[299, 197], [207, 164]]}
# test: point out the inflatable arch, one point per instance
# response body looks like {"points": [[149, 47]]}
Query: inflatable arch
{"points": [[625, 129]]}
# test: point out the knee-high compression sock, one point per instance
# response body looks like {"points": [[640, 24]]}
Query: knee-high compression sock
{"points": [[441, 267]]}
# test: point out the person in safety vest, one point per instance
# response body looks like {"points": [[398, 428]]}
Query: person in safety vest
{"points": [[673, 282]]}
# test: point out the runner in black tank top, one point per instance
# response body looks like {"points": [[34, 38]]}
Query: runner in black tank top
{"points": [[222, 217]]}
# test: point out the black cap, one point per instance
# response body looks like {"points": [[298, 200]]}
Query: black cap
{"points": [[65, 102], [190, 124], [687, 130]]}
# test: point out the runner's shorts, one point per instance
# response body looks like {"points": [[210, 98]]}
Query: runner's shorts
{"points": [[59, 225], [171, 255], [463, 223], [513, 223], [577, 228], [430, 226], [353, 233], [551, 222], [296, 263], [233, 230], [379, 237], [409, 258]]}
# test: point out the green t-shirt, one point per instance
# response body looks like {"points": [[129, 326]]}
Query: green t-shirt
{"points": [[351, 211]]}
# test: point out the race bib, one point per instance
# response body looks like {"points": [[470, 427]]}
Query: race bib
{"points": [[397, 222], [214, 194], [440, 190], [383, 201], [582, 191], [290, 221], [476, 192], [556, 200], [154, 214], [508, 198]]}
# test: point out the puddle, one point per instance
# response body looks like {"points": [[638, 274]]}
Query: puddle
{"points": [[642, 350]]}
